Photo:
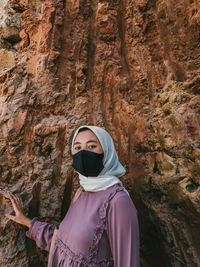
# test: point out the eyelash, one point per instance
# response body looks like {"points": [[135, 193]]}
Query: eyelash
{"points": [[78, 147], [92, 146]]}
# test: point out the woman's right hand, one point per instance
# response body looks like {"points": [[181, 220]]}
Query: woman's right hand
{"points": [[19, 212]]}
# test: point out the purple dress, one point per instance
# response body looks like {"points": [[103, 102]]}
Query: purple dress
{"points": [[99, 230]]}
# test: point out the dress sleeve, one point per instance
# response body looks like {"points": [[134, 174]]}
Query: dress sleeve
{"points": [[42, 233], [123, 232]]}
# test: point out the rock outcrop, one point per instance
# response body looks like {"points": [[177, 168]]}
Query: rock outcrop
{"points": [[132, 67]]}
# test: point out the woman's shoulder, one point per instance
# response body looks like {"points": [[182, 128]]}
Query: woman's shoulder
{"points": [[122, 200], [121, 196], [118, 191]]}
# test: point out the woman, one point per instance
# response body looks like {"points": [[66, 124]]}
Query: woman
{"points": [[101, 226]]}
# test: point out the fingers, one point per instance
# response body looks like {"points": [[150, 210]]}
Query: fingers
{"points": [[16, 202], [19, 216], [19, 201], [10, 217], [13, 201]]}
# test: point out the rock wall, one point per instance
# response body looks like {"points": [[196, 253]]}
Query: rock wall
{"points": [[132, 66]]}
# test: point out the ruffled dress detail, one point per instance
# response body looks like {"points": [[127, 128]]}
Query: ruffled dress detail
{"points": [[86, 236], [80, 260]]}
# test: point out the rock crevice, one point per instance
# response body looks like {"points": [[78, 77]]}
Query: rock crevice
{"points": [[132, 67]]}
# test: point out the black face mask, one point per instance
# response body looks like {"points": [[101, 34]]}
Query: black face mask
{"points": [[88, 163]]}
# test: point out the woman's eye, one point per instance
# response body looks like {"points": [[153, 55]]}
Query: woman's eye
{"points": [[92, 146], [77, 148]]}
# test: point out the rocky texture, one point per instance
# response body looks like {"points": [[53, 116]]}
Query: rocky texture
{"points": [[130, 66], [9, 34]]}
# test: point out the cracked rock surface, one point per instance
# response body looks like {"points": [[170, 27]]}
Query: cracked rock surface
{"points": [[132, 67]]}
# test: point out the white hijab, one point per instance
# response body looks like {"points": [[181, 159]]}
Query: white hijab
{"points": [[112, 167]]}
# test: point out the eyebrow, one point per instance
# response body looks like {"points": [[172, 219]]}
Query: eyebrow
{"points": [[90, 141]]}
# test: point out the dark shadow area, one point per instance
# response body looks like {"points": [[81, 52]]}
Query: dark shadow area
{"points": [[66, 198], [32, 250], [152, 249]]}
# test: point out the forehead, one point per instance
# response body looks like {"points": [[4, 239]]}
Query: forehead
{"points": [[85, 136]]}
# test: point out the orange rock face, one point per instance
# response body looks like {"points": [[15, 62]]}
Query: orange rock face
{"points": [[132, 67]]}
